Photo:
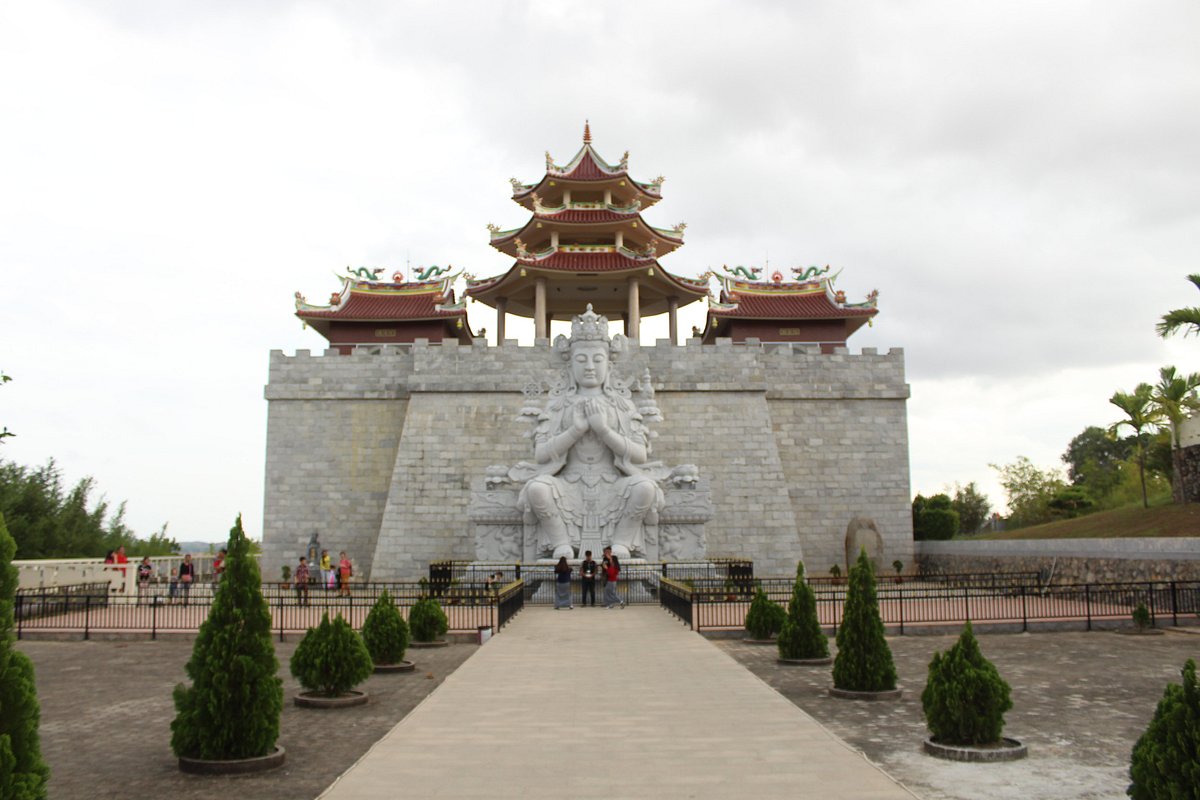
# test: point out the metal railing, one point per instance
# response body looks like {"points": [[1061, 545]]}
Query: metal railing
{"points": [[90, 608], [931, 603]]}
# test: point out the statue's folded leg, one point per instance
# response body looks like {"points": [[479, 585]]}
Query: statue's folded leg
{"points": [[539, 496], [642, 501]]}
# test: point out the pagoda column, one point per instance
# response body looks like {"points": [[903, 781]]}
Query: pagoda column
{"points": [[541, 328], [501, 309], [634, 317], [672, 321]]}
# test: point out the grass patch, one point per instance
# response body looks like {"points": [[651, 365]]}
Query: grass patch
{"points": [[1130, 521]]}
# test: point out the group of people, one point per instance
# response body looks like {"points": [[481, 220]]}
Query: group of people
{"points": [[329, 577], [610, 568], [179, 584]]}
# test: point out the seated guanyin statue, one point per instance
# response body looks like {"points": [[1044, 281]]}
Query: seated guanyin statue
{"points": [[592, 483]]}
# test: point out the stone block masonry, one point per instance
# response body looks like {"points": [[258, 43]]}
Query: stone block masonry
{"points": [[376, 451]]}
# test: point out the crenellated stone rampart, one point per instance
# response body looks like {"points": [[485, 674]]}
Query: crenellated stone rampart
{"points": [[377, 450]]}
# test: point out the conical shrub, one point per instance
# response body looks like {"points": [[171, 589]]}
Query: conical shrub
{"points": [[331, 659], [23, 774], [1166, 759], [385, 632], [232, 708], [801, 635], [965, 698], [864, 660], [765, 617], [427, 621]]}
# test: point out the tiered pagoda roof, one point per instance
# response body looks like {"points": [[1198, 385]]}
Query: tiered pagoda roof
{"points": [[586, 235]]}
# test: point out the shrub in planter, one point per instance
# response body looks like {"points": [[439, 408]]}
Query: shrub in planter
{"points": [[765, 617], [1165, 762], [385, 632], [965, 698], [23, 774], [232, 708], [427, 621], [800, 635], [864, 660], [331, 659], [1141, 617]]}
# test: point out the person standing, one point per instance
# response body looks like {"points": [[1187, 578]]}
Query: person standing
{"points": [[326, 570], [187, 574], [562, 584], [587, 578], [345, 571], [145, 571], [218, 567], [300, 576], [612, 570]]}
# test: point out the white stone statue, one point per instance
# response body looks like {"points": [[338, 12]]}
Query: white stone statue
{"points": [[591, 483]]}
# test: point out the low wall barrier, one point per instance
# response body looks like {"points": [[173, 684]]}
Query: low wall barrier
{"points": [[89, 608]]}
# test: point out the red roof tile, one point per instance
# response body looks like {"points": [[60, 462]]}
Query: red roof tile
{"points": [[788, 306], [587, 215], [587, 262], [373, 306], [588, 170]]}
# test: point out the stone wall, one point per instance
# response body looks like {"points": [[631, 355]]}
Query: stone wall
{"points": [[1069, 560], [377, 450]]}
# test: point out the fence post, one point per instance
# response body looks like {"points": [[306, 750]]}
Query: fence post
{"points": [[1024, 612], [1150, 595], [20, 616], [967, 600], [153, 620], [900, 602], [279, 612], [1087, 603], [1174, 606], [87, 616]]}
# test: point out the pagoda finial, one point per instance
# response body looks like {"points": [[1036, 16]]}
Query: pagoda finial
{"points": [[587, 132]]}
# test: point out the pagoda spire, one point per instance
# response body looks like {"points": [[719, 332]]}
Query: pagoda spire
{"points": [[587, 132]]}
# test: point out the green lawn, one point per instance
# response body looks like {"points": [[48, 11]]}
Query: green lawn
{"points": [[1165, 520]]}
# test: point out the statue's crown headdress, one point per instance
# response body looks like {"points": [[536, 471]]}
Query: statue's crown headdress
{"points": [[589, 327]]}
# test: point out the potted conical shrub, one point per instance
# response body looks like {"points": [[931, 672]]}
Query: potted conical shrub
{"points": [[764, 619], [1164, 762], [385, 633], [964, 702], [227, 721], [428, 623], [801, 640], [23, 773], [329, 662], [863, 668]]}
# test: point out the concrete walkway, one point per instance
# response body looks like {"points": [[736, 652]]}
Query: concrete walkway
{"points": [[592, 703]]}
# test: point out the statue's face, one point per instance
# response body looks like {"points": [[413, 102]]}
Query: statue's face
{"points": [[589, 363]]}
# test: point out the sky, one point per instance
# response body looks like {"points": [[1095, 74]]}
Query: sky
{"points": [[1019, 180]]}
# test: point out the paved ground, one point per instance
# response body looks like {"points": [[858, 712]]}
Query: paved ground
{"points": [[593, 703], [107, 711], [1080, 701]]}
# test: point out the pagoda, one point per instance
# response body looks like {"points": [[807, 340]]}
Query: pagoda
{"points": [[369, 311], [808, 309], [586, 242]]}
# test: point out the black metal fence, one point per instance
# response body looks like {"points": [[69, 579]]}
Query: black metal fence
{"points": [[89, 608], [923, 603]]}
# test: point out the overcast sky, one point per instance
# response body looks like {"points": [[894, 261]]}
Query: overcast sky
{"points": [[1020, 181]]}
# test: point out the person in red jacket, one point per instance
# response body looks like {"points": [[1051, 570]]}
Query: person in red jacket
{"points": [[612, 570]]}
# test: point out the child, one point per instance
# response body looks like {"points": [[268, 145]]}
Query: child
{"points": [[344, 573], [173, 586]]}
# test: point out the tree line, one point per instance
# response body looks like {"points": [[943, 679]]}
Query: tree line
{"points": [[1104, 469]]}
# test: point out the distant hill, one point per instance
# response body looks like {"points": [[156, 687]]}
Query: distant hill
{"points": [[1130, 521], [197, 547]]}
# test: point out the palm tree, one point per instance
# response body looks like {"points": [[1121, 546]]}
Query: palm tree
{"points": [[1174, 396], [1187, 319], [1139, 410]]}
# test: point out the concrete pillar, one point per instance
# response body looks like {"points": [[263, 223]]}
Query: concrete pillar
{"points": [[672, 321], [541, 327], [634, 316], [620, 240], [501, 309], [608, 197], [554, 239], [566, 197]]}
